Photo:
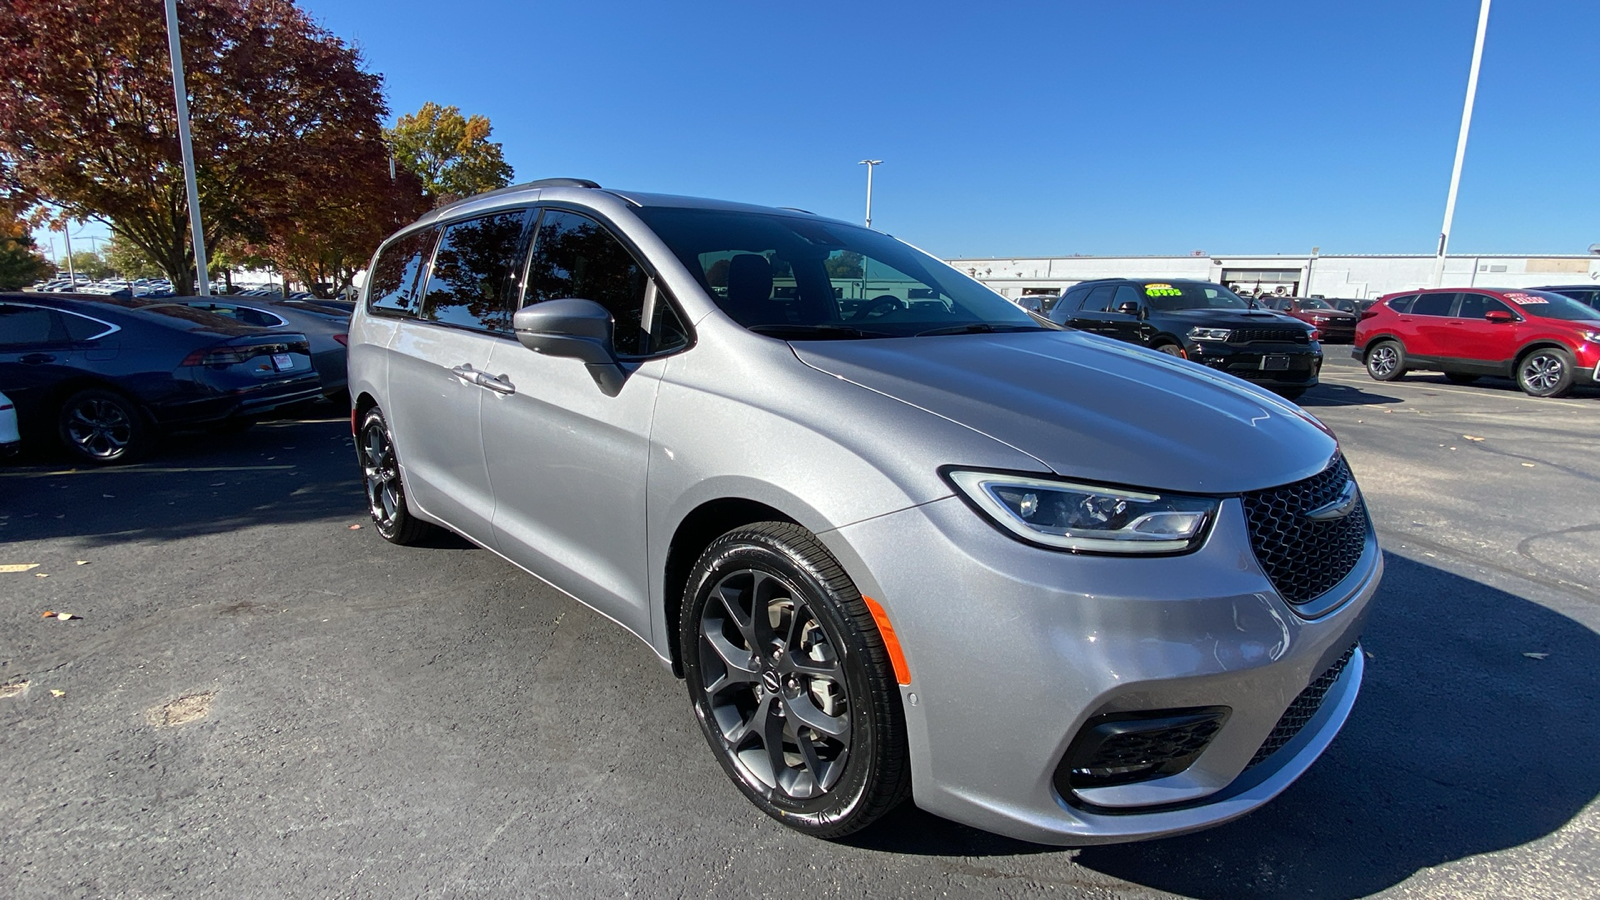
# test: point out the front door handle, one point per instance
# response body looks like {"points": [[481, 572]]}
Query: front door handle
{"points": [[37, 359], [466, 373], [499, 385]]}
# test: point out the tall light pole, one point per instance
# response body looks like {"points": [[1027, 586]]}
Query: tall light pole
{"points": [[66, 232], [180, 95], [1461, 146], [869, 163]]}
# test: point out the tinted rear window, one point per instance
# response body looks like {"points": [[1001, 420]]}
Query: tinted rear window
{"points": [[392, 285], [1433, 305], [27, 325]]}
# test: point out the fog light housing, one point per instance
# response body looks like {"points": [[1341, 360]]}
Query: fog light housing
{"points": [[1124, 748]]}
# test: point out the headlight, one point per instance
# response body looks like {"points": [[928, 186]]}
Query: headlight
{"points": [[1593, 336], [1209, 334], [1088, 517]]}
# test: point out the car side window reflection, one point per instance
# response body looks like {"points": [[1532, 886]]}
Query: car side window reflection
{"points": [[1474, 306], [576, 257], [24, 325], [471, 282], [1433, 305], [1125, 294], [392, 286], [1099, 300]]}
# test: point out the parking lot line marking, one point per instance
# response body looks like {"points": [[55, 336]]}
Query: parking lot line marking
{"points": [[1467, 392], [163, 469]]}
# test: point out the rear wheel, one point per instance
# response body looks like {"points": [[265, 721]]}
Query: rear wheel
{"points": [[791, 682], [380, 472], [103, 427], [1461, 377], [1545, 372], [1386, 361], [1173, 350]]}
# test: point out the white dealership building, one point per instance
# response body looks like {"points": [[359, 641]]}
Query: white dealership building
{"points": [[1357, 277]]}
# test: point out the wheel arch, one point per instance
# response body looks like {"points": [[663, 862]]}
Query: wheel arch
{"points": [[1538, 344], [695, 531]]}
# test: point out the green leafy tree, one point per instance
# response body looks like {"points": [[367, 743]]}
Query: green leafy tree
{"points": [[451, 154], [126, 259], [281, 111], [86, 262], [20, 262]]}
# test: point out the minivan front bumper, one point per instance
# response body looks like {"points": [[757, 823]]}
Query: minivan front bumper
{"points": [[1014, 649]]}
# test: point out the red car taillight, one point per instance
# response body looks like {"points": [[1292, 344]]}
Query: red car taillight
{"points": [[219, 356], [1368, 313]]}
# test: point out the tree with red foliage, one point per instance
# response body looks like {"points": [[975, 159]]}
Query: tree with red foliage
{"points": [[286, 126]]}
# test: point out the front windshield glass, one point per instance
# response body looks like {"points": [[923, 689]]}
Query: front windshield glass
{"points": [[800, 278], [1552, 306], [1314, 303], [1192, 295]]}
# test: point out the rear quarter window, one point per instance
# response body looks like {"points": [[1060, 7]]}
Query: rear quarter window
{"points": [[1402, 304], [392, 286]]}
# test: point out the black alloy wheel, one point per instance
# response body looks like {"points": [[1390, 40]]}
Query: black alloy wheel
{"points": [[1545, 372], [103, 427], [791, 682], [1386, 361], [380, 472]]}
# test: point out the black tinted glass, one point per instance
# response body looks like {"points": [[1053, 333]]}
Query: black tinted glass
{"points": [[1473, 306], [800, 278], [82, 329], [471, 281], [1403, 304], [1099, 299], [1126, 293], [28, 325], [392, 285], [1191, 295], [1433, 305], [576, 257], [1552, 306]]}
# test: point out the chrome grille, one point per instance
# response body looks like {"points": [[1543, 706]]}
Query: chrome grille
{"points": [[1305, 558]]}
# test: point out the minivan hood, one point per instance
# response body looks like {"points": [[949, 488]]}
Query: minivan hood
{"points": [[1092, 408]]}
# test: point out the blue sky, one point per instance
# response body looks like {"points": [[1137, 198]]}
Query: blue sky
{"points": [[1051, 128]]}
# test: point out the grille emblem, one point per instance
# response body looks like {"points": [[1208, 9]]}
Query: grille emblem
{"points": [[1340, 507]]}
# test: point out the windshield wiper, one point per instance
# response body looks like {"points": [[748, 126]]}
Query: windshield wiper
{"points": [[978, 328], [816, 332]]}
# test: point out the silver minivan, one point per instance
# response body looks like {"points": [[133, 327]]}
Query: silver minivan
{"points": [[899, 537]]}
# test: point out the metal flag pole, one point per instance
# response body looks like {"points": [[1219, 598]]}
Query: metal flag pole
{"points": [[180, 95], [1461, 146]]}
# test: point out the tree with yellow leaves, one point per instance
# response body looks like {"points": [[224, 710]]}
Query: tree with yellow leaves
{"points": [[451, 154]]}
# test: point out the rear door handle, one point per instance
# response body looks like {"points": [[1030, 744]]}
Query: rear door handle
{"points": [[499, 385], [37, 359]]}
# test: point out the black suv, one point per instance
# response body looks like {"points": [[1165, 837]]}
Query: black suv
{"points": [[1200, 321], [1588, 294]]}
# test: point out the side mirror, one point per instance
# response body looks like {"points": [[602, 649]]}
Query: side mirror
{"points": [[1128, 308], [580, 329], [1499, 316]]}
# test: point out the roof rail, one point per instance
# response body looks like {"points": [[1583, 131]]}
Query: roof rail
{"points": [[540, 183]]}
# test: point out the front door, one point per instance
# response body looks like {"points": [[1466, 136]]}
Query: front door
{"points": [[1478, 341], [566, 459]]}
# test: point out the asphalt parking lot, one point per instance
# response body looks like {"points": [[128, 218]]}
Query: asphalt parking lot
{"points": [[259, 699]]}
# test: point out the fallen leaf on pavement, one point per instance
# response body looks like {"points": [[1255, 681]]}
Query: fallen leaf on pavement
{"points": [[62, 617], [41, 574], [1537, 655], [1527, 465], [355, 527], [56, 693], [18, 567], [1471, 437], [80, 562], [48, 614], [13, 689]]}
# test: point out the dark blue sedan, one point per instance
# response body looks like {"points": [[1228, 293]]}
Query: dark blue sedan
{"points": [[107, 375]]}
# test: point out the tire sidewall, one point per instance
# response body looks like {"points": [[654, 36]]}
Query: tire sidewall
{"points": [[373, 418], [1561, 356], [138, 430], [751, 550], [1400, 360]]}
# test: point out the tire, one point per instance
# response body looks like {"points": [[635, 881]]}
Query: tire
{"points": [[1173, 350], [1386, 361], [380, 475], [1545, 372], [848, 764], [1461, 377], [103, 427]]}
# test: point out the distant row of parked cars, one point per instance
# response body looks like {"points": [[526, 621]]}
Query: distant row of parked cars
{"points": [[106, 375]]}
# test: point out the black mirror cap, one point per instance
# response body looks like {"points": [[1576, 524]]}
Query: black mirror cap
{"points": [[1128, 308], [575, 328]]}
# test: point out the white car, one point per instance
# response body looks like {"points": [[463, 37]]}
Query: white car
{"points": [[10, 439]]}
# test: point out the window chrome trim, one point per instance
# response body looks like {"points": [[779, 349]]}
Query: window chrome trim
{"points": [[110, 328]]}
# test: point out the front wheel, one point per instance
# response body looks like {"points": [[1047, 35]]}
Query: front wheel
{"points": [[380, 473], [1386, 361], [1546, 372], [791, 682]]}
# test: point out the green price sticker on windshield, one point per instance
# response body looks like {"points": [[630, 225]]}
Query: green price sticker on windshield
{"points": [[1161, 290]]}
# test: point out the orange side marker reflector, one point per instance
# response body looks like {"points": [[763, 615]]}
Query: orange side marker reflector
{"points": [[902, 672]]}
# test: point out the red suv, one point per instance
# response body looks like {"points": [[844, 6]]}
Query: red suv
{"points": [[1545, 341]]}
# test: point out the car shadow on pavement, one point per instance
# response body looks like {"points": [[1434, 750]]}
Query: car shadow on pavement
{"points": [[1460, 744], [287, 470], [1330, 394]]}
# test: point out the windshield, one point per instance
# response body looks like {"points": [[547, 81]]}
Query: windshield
{"points": [[1192, 295], [800, 278], [1552, 306], [1314, 303]]}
